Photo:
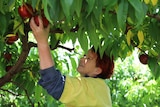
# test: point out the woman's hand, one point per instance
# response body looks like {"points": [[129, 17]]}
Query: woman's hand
{"points": [[41, 36], [40, 33]]}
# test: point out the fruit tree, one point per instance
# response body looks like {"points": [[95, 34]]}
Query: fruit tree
{"points": [[117, 27]]}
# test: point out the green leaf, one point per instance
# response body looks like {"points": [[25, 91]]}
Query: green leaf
{"points": [[1, 6], [102, 50], [90, 6], [154, 67], [1, 44], [55, 10], [122, 14], [46, 12], [18, 26], [156, 33], [67, 64], [54, 6], [109, 23], [35, 3], [109, 4], [139, 11], [73, 37], [53, 41], [11, 4], [3, 65], [73, 62], [98, 8], [93, 37], [38, 91], [66, 5], [83, 40], [77, 6], [3, 24]]}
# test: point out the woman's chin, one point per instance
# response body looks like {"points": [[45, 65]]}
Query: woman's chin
{"points": [[79, 69]]}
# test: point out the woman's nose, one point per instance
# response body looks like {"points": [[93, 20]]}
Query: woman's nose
{"points": [[83, 59]]}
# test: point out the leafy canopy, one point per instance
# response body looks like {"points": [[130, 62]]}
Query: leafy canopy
{"points": [[116, 27]]}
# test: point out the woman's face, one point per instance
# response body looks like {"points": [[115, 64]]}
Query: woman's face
{"points": [[87, 65]]}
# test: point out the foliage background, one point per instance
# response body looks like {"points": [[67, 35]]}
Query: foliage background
{"points": [[117, 27], [131, 85]]}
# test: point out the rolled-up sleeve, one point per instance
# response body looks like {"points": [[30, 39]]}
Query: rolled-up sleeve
{"points": [[53, 81]]}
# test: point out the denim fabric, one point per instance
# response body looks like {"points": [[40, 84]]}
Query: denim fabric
{"points": [[53, 81]]}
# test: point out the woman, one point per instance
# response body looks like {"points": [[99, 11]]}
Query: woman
{"points": [[88, 90]]}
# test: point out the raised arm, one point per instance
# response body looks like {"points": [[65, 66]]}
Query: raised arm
{"points": [[41, 36], [51, 79]]}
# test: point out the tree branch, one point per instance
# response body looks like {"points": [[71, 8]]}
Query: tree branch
{"points": [[22, 58], [63, 47], [10, 92], [26, 46], [156, 16], [17, 67], [26, 92], [31, 44], [58, 30], [28, 97]]}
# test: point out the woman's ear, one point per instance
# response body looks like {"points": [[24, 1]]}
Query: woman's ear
{"points": [[98, 70]]}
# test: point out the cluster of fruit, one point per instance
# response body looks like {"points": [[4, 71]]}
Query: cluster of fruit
{"points": [[26, 11]]}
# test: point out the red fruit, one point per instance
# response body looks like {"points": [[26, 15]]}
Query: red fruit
{"points": [[11, 38], [7, 56], [8, 67], [143, 58], [25, 11], [10, 42], [44, 19]]}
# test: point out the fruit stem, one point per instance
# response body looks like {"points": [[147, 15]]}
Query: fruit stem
{"points": [[141, 50], [28, 9], [134, 45]]}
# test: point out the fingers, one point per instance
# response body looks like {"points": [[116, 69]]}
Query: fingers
{"points": [[37, 23], [32, 24], [40, 22], [38, 29]]}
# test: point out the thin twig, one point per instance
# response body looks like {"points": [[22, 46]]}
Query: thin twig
{"points": [[17, 26], [63, 47], [28, 97], [10, 92], [31, 44]]}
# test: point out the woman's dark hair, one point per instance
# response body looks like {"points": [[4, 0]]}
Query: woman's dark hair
{"points": [[106, 63]]}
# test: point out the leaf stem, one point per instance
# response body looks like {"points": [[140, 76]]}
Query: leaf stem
{"points": [[17, 26]]}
